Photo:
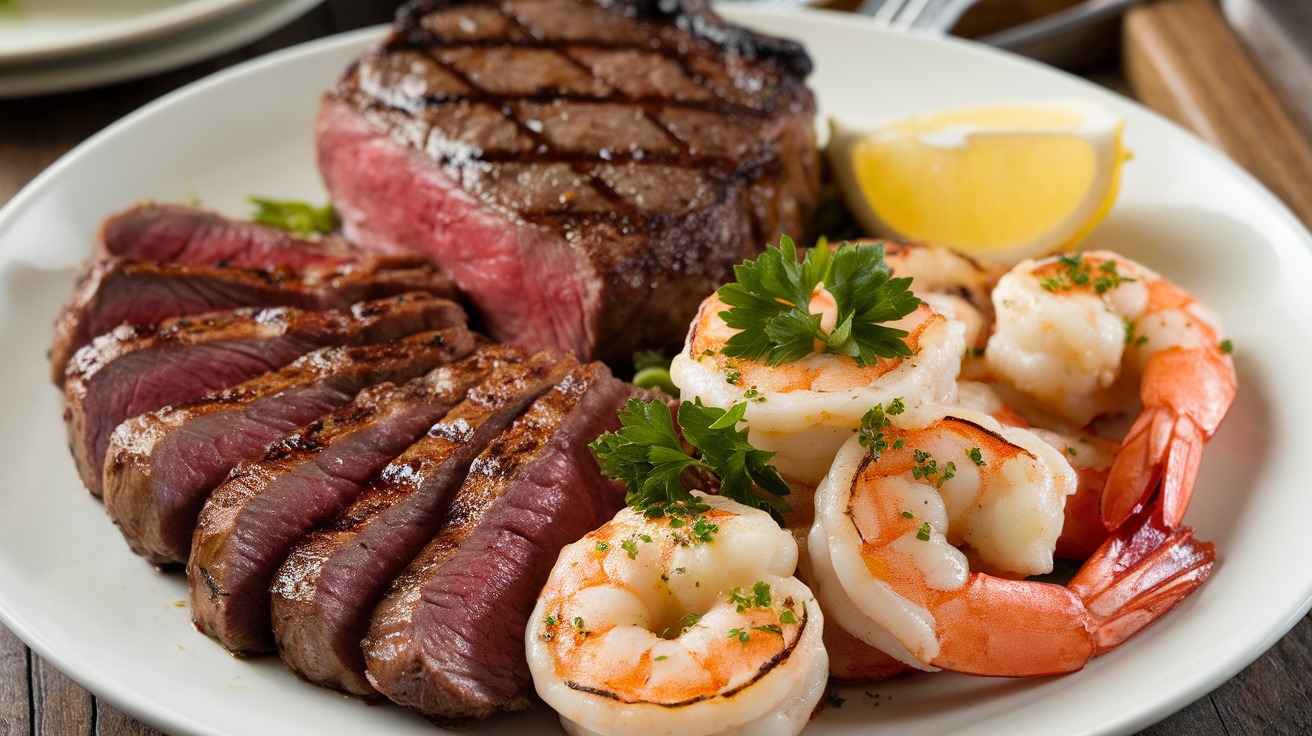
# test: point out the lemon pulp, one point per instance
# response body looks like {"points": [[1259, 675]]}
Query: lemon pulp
{"points": [[1004, 182]]}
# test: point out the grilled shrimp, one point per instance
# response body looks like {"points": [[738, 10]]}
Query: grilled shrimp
{"points": [[685, 624], [1075, 333], [918, 559], [805, 410], [953, 284]]}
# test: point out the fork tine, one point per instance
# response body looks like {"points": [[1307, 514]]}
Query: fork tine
{"points": [[909, 14], [883, 16]]}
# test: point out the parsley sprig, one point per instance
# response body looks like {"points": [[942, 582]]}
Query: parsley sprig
{"points": [[298, 218], [647, 456], [769, 302]]}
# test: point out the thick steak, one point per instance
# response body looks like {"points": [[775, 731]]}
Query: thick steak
{"points": [[250, 523], [116, 292], [325, 593], [174, 233], [586, 171], [163, 465], [448, 638], [133, 370]]}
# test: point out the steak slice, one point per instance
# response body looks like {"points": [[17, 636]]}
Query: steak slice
{"points": [[174, 233], [250, 523], [585, 171], [448, 638], [133, 370], [164, 464], [115, 292], [325, 593]]}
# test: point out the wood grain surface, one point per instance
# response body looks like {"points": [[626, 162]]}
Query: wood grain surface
{"points": [[1271, 696], [1184, 61]]}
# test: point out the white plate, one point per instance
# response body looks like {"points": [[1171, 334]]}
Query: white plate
{"points": [[42, 29], [71, 589], [250, 20]]}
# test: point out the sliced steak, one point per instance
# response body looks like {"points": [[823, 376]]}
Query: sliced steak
{"points": [[325, 593], [133, 370], [116, 292], [586, 171], [250, 523], [164, 464], [174, 233], [448, 638]]}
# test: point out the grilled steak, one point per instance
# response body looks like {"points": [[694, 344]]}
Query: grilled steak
{"points": [[448, 638], [250, 523], [115, 292], [133, 370], [172, 233], [586, 171], [164, 464], [325, 593]]}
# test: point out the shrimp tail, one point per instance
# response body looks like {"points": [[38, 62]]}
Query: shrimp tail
{"points": [[1137, 575], [1186, 394]]}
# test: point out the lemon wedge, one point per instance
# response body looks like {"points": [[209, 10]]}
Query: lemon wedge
{"points": [[1002, 182]]}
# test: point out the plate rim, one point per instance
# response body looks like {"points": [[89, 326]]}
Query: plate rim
{"points": [[130, 700]]}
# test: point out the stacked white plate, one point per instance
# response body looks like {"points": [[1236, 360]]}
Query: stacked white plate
{"points": [[61, 45]]}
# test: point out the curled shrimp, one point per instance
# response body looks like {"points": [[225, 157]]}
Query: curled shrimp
{"points": [[1075, 333], [899, 551], [954, 284], [804, 411], [689, 624]]}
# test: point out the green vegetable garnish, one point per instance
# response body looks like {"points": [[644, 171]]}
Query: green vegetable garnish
{"points": [[923, 533], [770, 299], [975, 456], [648, 458], [298, 218], [652, 371]]}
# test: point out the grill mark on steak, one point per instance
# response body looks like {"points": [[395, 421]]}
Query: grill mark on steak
{"points": [[251, 522], [448, 638], [613, 161], [133, 370], [163, 464], [115, 292], [324, 594]]}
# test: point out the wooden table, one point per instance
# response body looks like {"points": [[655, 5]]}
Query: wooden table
{"points": [[1271, 696]]}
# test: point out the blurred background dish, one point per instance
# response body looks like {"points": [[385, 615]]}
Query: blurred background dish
{"points": [[61, 45]]}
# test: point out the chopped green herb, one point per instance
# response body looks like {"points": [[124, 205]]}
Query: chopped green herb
{"points": [[578, 623], [1227, 347], [645, 537], [550, 620], [298, 218], [908, 515], [769, 302], [758, 597], [929, 467], [676, 522], [1077, 272], [770, 628], [630, 547], [739, 634], [752, 394], [603, 546], [924, 532], [975, 456], [731, 373], [788, 617], [703, 529], [898, 443], [1071, 450], [896, 406], [873, 425], [689, 620], [661, 658]]}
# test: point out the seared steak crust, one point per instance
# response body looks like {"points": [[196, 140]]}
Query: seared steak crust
{"points": [[250, 523], [133, 370], [164, 464], [174, 233], [115, 292], [586, 172], [325, 593], [448, 638]]}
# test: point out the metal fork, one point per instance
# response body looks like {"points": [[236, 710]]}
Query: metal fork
{"points": [[930, 16]]}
